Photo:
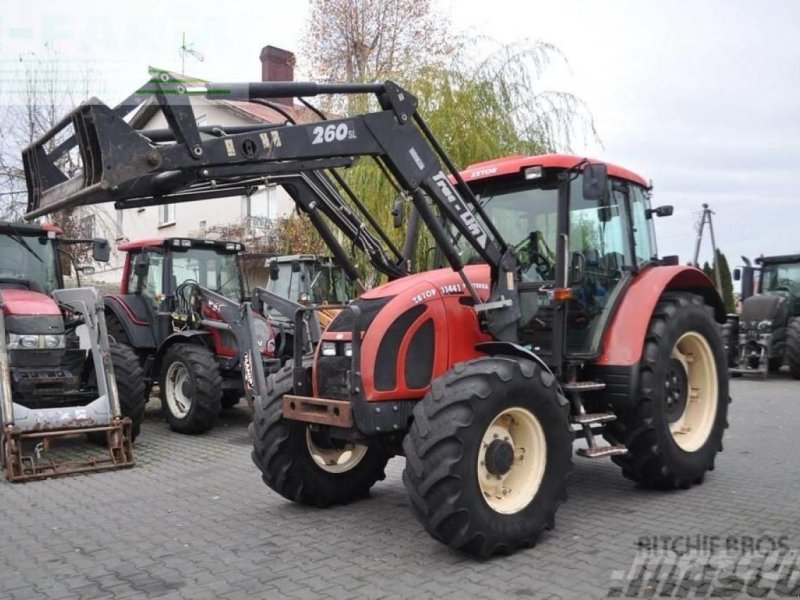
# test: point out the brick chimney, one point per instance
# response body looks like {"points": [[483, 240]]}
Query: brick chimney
{"points": [[277, 65]]}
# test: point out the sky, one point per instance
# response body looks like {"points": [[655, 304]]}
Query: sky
{"points": [[701, 98]]}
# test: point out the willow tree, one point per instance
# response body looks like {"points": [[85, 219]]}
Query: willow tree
{"points": [[485, 110]]}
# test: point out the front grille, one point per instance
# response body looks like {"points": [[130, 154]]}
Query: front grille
{"points": [[332, 374]]}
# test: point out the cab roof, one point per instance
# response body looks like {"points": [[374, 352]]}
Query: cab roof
{"points": [[515, 164], [783, 259], [161, 242]]}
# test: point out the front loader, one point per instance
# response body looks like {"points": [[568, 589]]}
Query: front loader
{"points": [[51, 387], [552, 317]]}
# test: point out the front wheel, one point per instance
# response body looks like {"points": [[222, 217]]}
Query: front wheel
{"points": [[674, 431], [793, 347], [191, 388], [488, 455], [129, 377], [306, 466]]}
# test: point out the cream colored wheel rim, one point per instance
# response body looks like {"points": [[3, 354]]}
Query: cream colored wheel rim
{"points": [[512, 491], [335, 460], [693, 427]]}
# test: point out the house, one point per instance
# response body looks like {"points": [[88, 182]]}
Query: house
{"points": [[203, 218]]}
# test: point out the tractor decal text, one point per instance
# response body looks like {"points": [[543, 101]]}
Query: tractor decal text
{"points": [[426, 295], [461, 211], [247, 364]]}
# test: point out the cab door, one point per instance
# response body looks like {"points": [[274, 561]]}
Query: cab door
{"points": [[601, 262]]}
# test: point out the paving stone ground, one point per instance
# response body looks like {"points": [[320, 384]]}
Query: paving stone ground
{"points": [[193, 520]]}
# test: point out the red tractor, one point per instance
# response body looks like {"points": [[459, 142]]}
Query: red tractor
{"points": [[553, 315], [53, 386], [170, 309]]}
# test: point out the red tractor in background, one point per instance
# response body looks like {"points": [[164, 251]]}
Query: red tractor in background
{"points": [[170, 310], [52, 385], [554, 317]]}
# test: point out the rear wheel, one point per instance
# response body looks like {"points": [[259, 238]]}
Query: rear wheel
{"points": [[793, 347], [230, 398], [308, 466], [191, 388], [674, 431], [488, 455]]}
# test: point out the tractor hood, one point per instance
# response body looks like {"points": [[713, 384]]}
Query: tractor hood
{"points": [[27, 303]]}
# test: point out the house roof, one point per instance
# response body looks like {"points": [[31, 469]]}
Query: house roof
{"points": [[248, 110]]}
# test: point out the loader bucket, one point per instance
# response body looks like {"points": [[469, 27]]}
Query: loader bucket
{"points": [[85, 159]]}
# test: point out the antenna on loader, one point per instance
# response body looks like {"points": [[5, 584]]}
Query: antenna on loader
{"points": [[188, 50]]}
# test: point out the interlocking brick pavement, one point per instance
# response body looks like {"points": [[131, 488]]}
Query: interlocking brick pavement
{"points": [[193, 520]]}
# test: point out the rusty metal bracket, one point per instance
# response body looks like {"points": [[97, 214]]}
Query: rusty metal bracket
{"points": [[22, 467], [336, 413]]}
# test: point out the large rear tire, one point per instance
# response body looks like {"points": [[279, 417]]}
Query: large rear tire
{"points": [[304, 466], [488, 455], [674, 431], [191, 388], [793, 347]]}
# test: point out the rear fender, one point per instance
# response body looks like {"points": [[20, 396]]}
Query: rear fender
{"points": [[139, 331], [623, 341]]}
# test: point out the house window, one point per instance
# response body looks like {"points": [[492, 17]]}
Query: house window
{"points": [[166, 215], [87, 227]]}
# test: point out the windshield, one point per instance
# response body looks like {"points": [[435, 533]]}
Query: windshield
{"points": [[27, 262], [786, 278], [215, 271], [525, 213], [324, 284]]}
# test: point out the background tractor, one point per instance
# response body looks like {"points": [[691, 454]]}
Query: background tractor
{"points": [[767, 332], [51, 386], [169, 310], [552, 317]]}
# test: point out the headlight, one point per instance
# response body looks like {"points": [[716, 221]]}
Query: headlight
{"points": [[764, 325], [55, 341], [22, 341], [348, 348], [328, 349]]}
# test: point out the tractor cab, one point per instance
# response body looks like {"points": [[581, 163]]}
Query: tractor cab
{"points": [[571, 241], [308, 279], [155, 269]]}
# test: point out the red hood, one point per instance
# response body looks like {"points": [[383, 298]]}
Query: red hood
{"points": [[25, 302]]}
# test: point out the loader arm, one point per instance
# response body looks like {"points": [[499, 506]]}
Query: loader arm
{"points": [[124, 166]]}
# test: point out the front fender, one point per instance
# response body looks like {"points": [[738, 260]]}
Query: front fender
{"points": [[182, 337], [138, 330], [623, 341]]}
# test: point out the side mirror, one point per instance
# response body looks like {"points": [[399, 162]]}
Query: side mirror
{"points": [[274, 271], [595, 182], [295, 266], [398, 214], [660, 211], [737, 274], [141, 264], [101, 250]]}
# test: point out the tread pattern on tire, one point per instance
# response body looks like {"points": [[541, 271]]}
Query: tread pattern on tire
{"points": [[283, 459], [206, 388], [646, 461], [434, 445], [793, 347], [130, 384]]}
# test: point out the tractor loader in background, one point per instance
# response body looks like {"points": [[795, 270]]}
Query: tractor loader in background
{"points": [[51, 387]]}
